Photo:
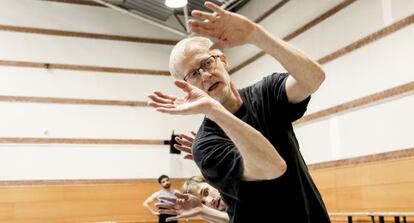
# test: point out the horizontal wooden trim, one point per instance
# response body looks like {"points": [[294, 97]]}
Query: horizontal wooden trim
{"points": [[49, 100], [55, 32], [78, 2], [319, 19], [400, 154], [80, 181], [83, 68], [297, 32], [80, 141], [372, 213], [271, 11], [247, 62], [394, 92], [368, 39]]}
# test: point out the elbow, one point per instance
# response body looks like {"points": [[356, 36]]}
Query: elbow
{"points": [[283, 168], [278, 170], [321, 76], [318, 79]]}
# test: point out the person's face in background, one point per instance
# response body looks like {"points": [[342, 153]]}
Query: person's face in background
{"points": [[165, 183], [209, 196]]}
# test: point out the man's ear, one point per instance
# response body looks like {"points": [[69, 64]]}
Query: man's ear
{"points": [[223, 59]]}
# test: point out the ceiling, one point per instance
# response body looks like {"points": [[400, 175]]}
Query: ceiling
{"points": [[158, 12]]}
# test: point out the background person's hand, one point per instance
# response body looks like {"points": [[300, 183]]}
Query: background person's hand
{"points": [[183, 206], [230, 29], [195, 102], [185, 143]]}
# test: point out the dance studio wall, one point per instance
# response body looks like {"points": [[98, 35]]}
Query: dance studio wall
{"points": [[51, 120], [380, 65]]}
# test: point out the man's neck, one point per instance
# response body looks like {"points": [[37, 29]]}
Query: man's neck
{"points": [[169, 190], [233, 102]]}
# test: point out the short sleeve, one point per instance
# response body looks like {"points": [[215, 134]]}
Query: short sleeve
{"points": [[275, 87], [220, 163]]}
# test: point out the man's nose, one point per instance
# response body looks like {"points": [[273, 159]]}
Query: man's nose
{"points": [[204, 74], [208, 200]]}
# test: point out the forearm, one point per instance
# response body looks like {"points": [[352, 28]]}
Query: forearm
{"points": [[261, 160], [304, 70], [149, 209], [213, 216]]}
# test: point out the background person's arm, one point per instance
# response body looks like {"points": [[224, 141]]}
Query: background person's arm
{"points": [[148, 201]]}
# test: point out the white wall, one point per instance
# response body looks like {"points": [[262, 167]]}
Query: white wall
{"points": [[31, 162]]}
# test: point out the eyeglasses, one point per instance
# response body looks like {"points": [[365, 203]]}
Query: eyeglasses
{"points": [[208, 64]]}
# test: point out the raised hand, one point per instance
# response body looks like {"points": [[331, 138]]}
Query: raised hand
{"points": [[185, 143], [230, 29], [195, 102], [184, 206]]}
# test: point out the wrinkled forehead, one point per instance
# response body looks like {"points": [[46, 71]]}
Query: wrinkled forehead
{"points": [[191, 57]]}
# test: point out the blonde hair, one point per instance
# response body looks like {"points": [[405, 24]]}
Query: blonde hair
{"points": [[192, 184], [181, 48]]}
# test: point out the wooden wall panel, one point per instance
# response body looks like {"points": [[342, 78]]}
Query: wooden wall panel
{"points": [[381, 185], [77, 202], [385, 185]]}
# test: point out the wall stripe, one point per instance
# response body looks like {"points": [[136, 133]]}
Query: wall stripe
{"points": [[49, 100], [398, 154], [79, 141], [368, 39], [83, 68], [81, 181], [319, 19], [55, 32], [392, 93], [297, 32], [271, 11]]}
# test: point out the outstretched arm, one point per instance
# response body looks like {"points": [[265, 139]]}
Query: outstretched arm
{"points": [[231, 29], [261, 160]]}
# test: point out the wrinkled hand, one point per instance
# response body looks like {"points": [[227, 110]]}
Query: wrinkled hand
{"points": [[230, 29], [184, 206], [195, 102], [185, 143]]}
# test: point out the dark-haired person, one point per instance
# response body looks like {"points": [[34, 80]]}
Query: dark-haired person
{"points": [[166, 190]]}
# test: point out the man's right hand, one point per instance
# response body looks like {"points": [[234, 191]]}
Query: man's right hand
{"points": [[195, 102]]}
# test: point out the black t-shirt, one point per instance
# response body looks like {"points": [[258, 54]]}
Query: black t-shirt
{"points": [[293, 197]]}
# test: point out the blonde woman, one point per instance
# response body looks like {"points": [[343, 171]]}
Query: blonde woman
{"points": [[199, 201]]}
